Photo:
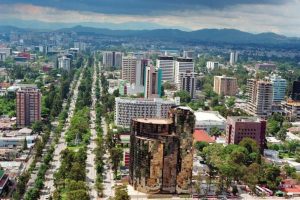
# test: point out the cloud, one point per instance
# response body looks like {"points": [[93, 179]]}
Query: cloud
{"points": [[281, 17]]}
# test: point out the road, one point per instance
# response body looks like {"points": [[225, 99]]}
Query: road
{"points": [[91, 173], [49, 187], [108, 181]]}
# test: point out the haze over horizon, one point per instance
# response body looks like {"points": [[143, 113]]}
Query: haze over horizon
{"points": [[254, 16]]}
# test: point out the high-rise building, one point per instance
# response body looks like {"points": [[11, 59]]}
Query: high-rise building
{"points": [[28, 106], [182, 65], [153, 82], [129, 64], [141, 71], [187, 82], [260, 97], [296, 91], [112, 59], [224, 85], [188, 54], [64, 63], [279, 87], [130, 108], [161, 153], [265, 66], [210, 65], [166, 64], [234, 56], [238, 128]]}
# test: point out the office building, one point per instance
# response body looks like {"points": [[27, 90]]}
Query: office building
{"points": [[28, 106], [296, 91], [3, 56], [279, 88], [210, 65], [129, 108], [112, 59], [260, 97], [187, 82], [64, 63], [161, 153], [226, 86], [188, 54], [81, 46], [182, 65], [153, 82], [166, 64], [205, 120], [141, 65], [238, 128], [129, 64], [234, 56]]}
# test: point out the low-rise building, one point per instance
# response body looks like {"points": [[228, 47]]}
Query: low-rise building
{"points": [[291, 109], [205, 120]]}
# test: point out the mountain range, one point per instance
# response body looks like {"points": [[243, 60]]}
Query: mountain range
{"points": [[228, 36]]}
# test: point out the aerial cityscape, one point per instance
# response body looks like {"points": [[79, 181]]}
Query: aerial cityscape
{"points": [[140, 99]]}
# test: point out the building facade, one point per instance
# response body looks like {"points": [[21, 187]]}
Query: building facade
{"points": [[187, 82], [226, 86], [279, 88], [129, 64], [161, 153], [112, 59], [234, 56], [210, 65], [182, 65], [238, 128], [206, 120], [28, 106], [259, 97], [166, 64], [129, 108], [296, 91], [64, 63], [153, 81], [291, 109]]}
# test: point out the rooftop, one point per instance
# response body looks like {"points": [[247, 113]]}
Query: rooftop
{"points": [[244, 119], [153, 120], [209, 116], [202, 136]]}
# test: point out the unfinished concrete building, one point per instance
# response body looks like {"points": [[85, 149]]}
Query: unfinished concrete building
{"points": [[161, 152]]}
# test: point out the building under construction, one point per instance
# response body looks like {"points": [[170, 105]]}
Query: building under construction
{"points": [[161, 152]]}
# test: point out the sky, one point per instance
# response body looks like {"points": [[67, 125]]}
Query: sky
{"points": [[255, 16]]}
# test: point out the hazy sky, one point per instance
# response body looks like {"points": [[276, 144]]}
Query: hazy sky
{"points": [[279, 16]]}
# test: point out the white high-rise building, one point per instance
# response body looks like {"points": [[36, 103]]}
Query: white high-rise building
{"points": [[234, 56], [279, 88], [188, 54], [127, 109], [166, 64], [64, 63], [210, 65], [182, 65], [129, 64], [112, 59]]}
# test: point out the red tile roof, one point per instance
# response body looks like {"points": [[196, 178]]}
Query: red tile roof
{"points": [[202, 136]]}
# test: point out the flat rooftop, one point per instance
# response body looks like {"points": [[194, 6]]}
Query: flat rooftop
{"points": [[209, 116], [245, 119], [153, 120]]}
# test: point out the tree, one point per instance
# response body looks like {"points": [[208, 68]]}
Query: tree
{"points": [[289, 170], [121, 193], [37, 127], [185, 96], [77, 194], [282, 134], [215, 131], [116, 154], [230, 102], [200, 145], [25, 144]]}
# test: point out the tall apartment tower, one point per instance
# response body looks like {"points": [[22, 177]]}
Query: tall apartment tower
{"points": [[153, 82], [112, 59], [224, 85], [64, 63], [188, 83], [28, 106], [279, 88], [129, 64], [296, 91], [260, 97], [239, 127], [182, 65], [234, 56], [166, 64], [161, 153], [141, 71]]}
